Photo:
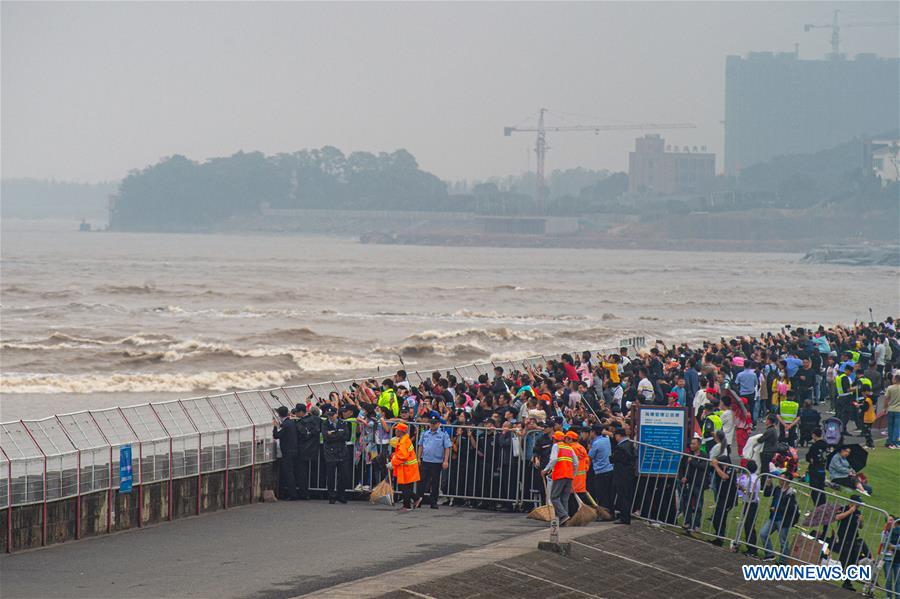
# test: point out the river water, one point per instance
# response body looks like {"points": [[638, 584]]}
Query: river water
{"points": [[92, 320]]}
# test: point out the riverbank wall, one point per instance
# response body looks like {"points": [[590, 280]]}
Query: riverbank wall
{"points": [[103, 512]]}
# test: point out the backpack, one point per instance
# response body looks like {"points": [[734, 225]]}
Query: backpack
{"points": [[831, 429]]}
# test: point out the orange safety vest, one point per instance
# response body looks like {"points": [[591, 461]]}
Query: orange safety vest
{"points": [[565, 462], [405, 462], [579, 483]]}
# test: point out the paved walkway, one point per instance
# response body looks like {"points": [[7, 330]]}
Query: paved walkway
{"points": [[268, 551]]}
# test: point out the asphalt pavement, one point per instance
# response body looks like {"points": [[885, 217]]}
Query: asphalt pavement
{"points": [[264, 551]]}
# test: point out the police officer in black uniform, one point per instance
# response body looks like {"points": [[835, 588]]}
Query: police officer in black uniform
{"points": [[542, 447], [348, 416], [622, 459], [334, 439], [285, 430], [309, 428], [817, 456]]}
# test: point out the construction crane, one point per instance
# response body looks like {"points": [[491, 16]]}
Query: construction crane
{"points": [[541, 147], [835, 27]]}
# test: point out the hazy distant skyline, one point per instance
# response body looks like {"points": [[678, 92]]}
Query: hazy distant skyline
{"points": [[93, 90]]}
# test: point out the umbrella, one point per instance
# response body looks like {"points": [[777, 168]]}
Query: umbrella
{"points": [[822, 515], [858, 457]]}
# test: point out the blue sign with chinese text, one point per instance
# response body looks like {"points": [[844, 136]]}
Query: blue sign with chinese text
{"points": [[125, 474], [662, 427]]}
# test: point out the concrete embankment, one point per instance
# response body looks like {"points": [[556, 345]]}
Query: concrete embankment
{"points": [[103, 512]]}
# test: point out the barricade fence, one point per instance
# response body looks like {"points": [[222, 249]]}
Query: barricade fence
{"points": [[70, 455], [698, 484], [485, 465], [768, 514]]}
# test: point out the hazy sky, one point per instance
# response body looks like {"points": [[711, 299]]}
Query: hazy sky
{"points": [[90, 91]]}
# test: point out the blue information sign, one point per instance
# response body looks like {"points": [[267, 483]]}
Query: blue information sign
{"points": [[125, 474], [662, 427]]}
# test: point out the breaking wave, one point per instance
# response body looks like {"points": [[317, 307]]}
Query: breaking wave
{"points": [[146, 348], [286, 336], [303, 358], [424, 350], [145, 289], [64, 310], [526, 317], [142, 383], [49, 294], [57, 341], [461, 343], [494, 335]]}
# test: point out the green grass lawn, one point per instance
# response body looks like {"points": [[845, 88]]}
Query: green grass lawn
{"points": [[883, 472]]}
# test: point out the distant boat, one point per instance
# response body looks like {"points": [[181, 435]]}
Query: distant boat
{"points": [[84, 226]]}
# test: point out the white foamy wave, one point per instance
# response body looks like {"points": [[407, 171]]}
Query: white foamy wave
{"points": [[493, 315], [304, 358], [65, 309], [143, 383], [246, 312], [514, 356], [59, 340], [463, 343], [496, 334], [426, 349]]}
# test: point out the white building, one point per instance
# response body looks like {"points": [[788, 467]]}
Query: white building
{"points": [[884, 155]]}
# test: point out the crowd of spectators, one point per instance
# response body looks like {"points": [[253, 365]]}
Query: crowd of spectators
{"points": [[497, 429]]}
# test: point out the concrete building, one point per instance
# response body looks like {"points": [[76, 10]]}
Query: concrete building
{"points": [[654, 168], [777, 104], [882, 156]]}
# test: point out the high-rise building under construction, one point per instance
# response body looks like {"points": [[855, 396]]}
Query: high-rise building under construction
{"points": [[777, 104]]}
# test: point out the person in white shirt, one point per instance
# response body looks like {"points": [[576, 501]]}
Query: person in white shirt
{"points": [[400, 380], [617, 395], [727, 420], [645, 387]]}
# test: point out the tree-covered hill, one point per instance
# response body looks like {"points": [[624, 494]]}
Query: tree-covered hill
{"points": [[178, 193]]}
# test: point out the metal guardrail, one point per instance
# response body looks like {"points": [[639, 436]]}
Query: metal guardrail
{"points": [[801, 520], [68, 455]]}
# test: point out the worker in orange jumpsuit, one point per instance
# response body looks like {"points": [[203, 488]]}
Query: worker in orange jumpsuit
{"points": [[579, 482], [405, 465], [561, 468]]}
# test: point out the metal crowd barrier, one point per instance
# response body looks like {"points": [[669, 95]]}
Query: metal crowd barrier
{"points": [[686, 498], [69, 455], [815, 527], [486, 465], [764, 511]]}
